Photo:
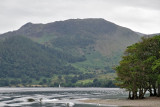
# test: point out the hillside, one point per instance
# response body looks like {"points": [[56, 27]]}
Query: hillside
{"points": [[94, 46], [25, 60]]}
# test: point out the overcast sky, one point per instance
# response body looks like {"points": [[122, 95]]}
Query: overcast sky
{"points": [[139, 15]]}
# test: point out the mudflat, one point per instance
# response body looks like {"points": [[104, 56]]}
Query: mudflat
{"points": [[146, 102]]}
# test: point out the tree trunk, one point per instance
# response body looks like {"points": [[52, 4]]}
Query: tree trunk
{"points": [[158, 95], [134, 95], [150, 91], [140, 94], [155, 91], [129, 95]]}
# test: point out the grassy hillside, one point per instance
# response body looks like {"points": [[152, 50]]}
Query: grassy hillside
{"points": [[75, 52]]}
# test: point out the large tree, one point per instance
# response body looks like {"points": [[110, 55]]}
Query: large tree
{"points": [[138, 69]]}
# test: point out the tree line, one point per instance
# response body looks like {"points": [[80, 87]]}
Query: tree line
{"points": [[139, 69]]}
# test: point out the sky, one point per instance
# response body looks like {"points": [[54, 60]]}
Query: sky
{"points": [[139, 15]]}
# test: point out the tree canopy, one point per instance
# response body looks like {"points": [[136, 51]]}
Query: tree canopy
{"points": [[138, 70]]}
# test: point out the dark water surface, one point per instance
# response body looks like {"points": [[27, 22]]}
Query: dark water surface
{"points": [[57, 97]]}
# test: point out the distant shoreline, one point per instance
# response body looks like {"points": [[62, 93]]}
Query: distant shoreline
{"points": [[147, 102]]}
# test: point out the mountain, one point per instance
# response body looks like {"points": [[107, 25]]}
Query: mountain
{"points": [[24, 61], [150, 35], [90, 47]]}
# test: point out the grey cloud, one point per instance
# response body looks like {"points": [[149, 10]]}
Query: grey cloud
{"points": [[129, 13]]}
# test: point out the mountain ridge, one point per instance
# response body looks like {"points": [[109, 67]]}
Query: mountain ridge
{"points": [[63, 28], [30, 24], [96, 44]]}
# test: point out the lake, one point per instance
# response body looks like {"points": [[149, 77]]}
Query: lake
{"points": [[57, 97]]}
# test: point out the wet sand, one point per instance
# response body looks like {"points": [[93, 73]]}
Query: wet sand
{"points": [[147, 102]]}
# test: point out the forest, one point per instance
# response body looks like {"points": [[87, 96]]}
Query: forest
{"points": [[27, 63]]}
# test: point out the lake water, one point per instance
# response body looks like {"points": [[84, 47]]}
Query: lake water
{"points": [[57, 97]]}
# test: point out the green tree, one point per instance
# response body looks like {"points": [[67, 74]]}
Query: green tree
{"points": [[138, 69]]}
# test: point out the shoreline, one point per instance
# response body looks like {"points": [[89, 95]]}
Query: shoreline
{"points": [[146, 102]]}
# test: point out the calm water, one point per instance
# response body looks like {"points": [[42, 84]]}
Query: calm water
{"points": [[56, 97]]}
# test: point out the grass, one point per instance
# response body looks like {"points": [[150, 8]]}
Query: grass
{"points": [[84, 81], [95, 61], [108, 76], [103, 77], [43, 39]]}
